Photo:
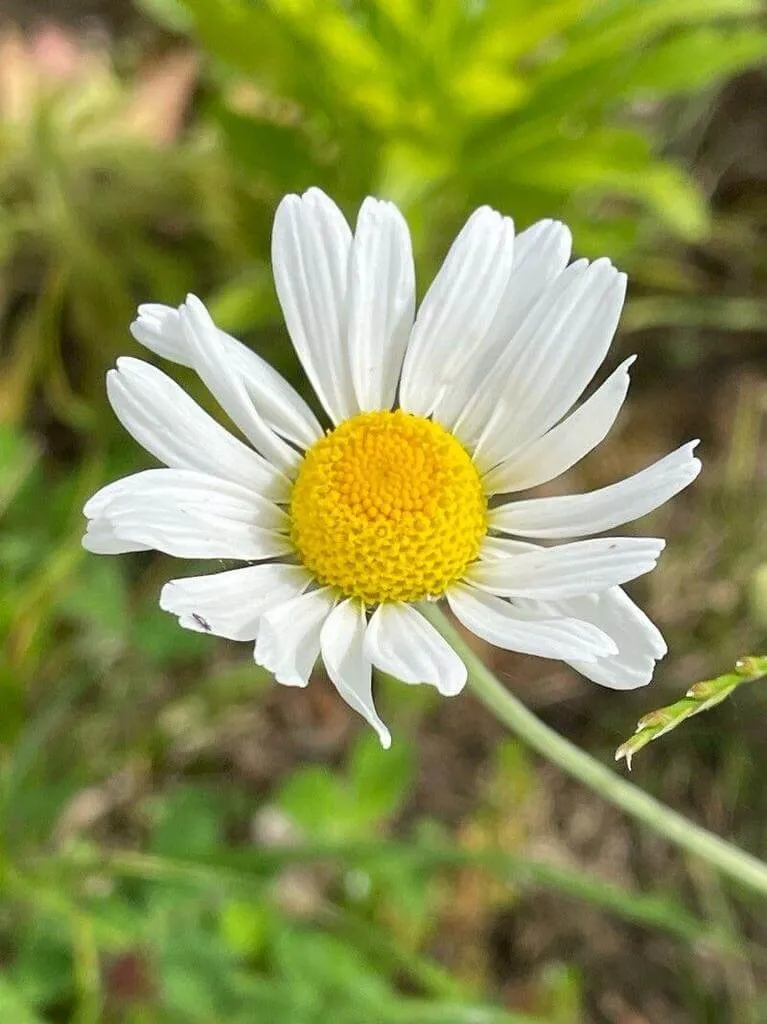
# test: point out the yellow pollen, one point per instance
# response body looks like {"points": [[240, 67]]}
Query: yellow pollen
{"points": [[388, 507]]}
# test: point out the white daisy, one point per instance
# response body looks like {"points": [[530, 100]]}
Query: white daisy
{"points": [[438, 420]]}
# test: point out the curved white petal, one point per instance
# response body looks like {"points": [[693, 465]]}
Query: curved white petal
{"points": [[552, 358], [553, 305], [229, 604], [519, 629], [568, 570], [381, 303], [401, 642], [191, 515], [172, 427], [458, 309], [541, 253], [578, 515], [310, 254], [342, 641], [503, 547], [227, 388], [565, 444], [101, 539], [288, 642], [639, 642], [149, 486], [159, 329]]}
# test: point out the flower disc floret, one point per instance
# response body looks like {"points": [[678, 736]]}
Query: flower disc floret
{"points": [[388, 507]]}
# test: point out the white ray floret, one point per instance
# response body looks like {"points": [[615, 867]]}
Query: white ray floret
{"points": [[160, 329], [577, 515]]}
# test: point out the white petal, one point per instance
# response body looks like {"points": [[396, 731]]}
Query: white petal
{"points": [[229, 604], [191, 515], [577, 515], [159, 328], [540, 254], [152, 485], [502, 547], [227, 387], [310, 254], [639, 641], [100, 539], [401, 642], [288, 642], [568, 570], [343, 651], [381, 302], [457, 309], [516, 629], [552, 358], [565, 444], [172, 427]]}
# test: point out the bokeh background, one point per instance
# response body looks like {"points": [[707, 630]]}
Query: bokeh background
{"points": [[180, 839]]}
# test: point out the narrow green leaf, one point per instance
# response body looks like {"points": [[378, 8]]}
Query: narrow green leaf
{"points": [[694, 59]]}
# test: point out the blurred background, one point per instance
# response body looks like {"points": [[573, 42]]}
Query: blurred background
{"points": [[180, 839]]}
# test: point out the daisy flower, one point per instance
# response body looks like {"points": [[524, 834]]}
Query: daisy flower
{"points": [[439, 418]]}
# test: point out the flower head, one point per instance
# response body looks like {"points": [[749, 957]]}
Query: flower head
{"points": [[438, 420]]}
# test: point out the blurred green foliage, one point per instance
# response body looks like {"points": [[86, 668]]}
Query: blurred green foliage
{"points": [[139, 876], [540, 108]]}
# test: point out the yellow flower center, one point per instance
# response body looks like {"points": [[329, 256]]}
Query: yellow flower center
{"points": [[388, 507]]}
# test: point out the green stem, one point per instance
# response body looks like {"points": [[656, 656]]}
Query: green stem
{"points": [[243, 870], [727, 858]]}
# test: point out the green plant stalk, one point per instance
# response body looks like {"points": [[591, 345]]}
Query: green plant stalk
{"points": [[430, 976], [244, 870], [411, 1010], [726, 857], [700, 697]]}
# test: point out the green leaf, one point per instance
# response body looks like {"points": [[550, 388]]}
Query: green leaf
{"points": [[316, 801], [18, 457], [700, 697], [171, 14], [292, 165], [629, 24], [230, 29], [99, 600], [327, 970], [379, 779], [161, 640], [694, 59], [13, 1007], [189, 824], [41, 971], [245, 926]]}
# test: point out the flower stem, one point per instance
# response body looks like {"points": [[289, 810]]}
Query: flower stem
{"points": [[728, 858]]}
